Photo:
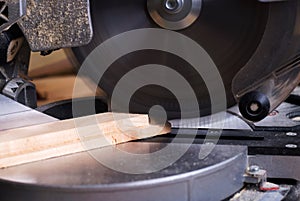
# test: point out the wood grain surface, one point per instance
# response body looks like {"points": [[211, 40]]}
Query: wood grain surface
{"points": [[55, 139]]}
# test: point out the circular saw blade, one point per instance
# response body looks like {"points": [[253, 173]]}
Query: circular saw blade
{"points": [[229, 31]]}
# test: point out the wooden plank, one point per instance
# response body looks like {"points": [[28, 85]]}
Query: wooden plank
{"points": [[57, 63], [34, 143], [57, 88]]}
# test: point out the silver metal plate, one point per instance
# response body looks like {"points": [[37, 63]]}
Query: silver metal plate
{"points": [[15, 115], [80, 177], [21, 119], [278, 166], [226, 121], [9, 106]]}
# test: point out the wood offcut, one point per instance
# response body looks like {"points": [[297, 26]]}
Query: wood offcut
{"points": [[55, 139]]}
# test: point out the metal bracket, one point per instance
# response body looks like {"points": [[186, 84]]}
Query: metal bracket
{"points": [[11, 11], [52, 24], [255, 175]]}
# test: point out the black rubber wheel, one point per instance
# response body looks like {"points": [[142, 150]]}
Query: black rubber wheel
{"points": [[254, 106]]}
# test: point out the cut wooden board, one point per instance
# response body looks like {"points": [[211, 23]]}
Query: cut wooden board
{"points": [[34, 143]]}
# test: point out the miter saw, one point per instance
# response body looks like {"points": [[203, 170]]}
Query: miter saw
{"points": [[248, 53]]}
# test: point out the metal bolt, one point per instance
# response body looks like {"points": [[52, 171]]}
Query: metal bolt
{"points": [[209, 143], [254, 107], [291, 146], [291, 134], [173, 5], [253, 169]]}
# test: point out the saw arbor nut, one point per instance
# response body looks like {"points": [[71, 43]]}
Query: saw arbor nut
{"points": [[174, 14]]}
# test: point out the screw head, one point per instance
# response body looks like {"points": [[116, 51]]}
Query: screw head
{"points": [[253, 168], [291, 134], [254, 107], [291, 146]]}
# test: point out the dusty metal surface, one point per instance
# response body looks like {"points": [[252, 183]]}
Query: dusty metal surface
{"points": [[53, 24], [226, 121], [278, 166], [257, 196], [280, 117]]}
